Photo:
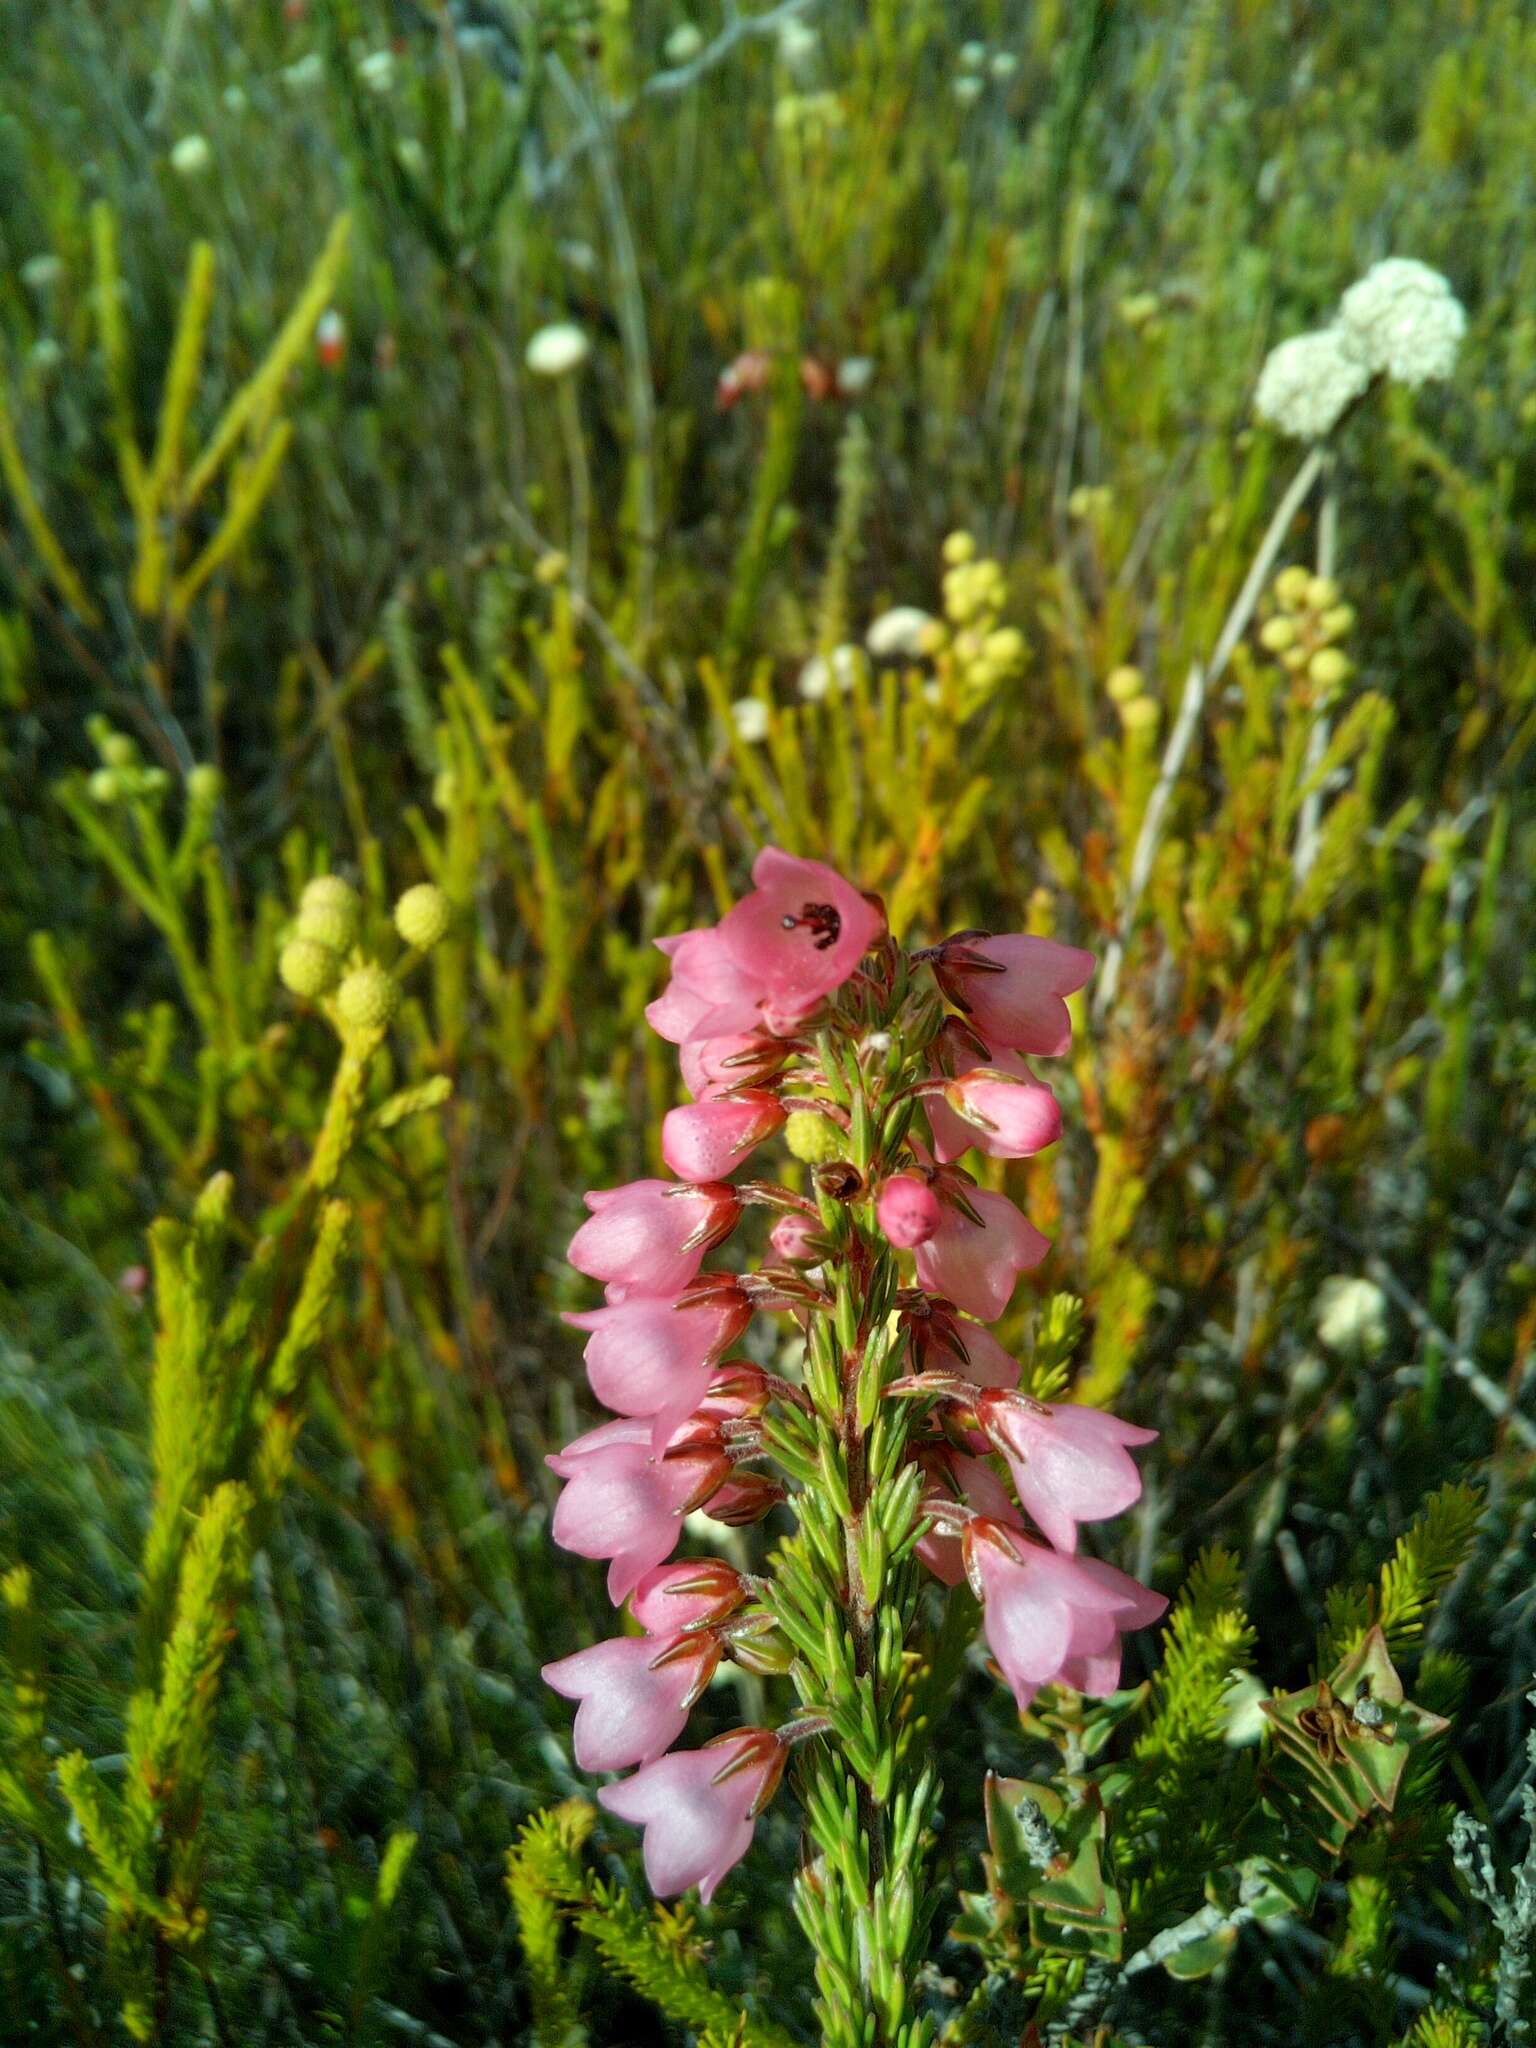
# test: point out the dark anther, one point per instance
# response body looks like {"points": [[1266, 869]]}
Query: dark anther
{"points": [[822, 920]]}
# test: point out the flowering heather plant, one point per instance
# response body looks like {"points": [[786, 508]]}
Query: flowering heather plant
{"points": [[906, 1450]]}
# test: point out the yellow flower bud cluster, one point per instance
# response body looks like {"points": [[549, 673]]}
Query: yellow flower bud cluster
{"points": [[980, 651], [325, 932], [321, 959], [1307, 621], [122, 776], [1140, 713]]}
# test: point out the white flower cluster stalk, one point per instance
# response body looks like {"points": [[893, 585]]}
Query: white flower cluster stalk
{"points": [[1401, 320]]}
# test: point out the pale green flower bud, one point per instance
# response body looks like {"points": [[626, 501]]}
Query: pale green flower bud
{"points": [[205, 785], [1277, 634], [1329, 667], [105, 786]]}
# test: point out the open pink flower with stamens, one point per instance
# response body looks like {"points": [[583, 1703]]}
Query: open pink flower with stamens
{"points": [[1011, 988], [698, 1808], [655, 1358], [703, 1141], [624, 1503], [976, 1264], [680, 1596], [1070, 1463], [650, 1237], [635, 1694], [999, 1109], [1052, 1619], [801, 932], [908, 1211]]}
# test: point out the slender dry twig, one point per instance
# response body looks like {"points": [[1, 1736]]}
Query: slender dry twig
{"points": [[1201, 679]]}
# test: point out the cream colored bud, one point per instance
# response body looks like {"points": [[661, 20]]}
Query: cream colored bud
{"points": [[959, 548], [1123, 683], [812, 1137], [422, 916], [1141, 715], [1277, 634], [367, 999], [1329, 667], [1005, 648], [1291, 587], [308, 969]]}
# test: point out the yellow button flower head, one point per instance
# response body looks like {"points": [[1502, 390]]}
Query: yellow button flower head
{"points": [[367, 999], [422, 916], [329, 913], [308, 969]]}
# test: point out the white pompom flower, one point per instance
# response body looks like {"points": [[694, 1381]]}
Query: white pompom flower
{"points": [[1403, 318], [1308, 383], [749, 715], [823, 673], [901, 634], [557, 350]]}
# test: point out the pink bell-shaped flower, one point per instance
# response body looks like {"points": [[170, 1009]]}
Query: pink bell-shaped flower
{"points": [[698, 1808], [801, 932], [1052, 1619], [623, 1503], [655, 1358], [1011, 988], [704, 1141], [635, 1694], [650, 1237], [908, 1211], [708, 996], [976, 1264], [1000, 1109], [686, 1595], [955, 1344], [1070, 1463], [971, 1480]]}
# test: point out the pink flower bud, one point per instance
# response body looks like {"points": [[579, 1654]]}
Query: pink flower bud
{"points": [[1051, 1619], [698, 1808], [635, 1694], [679, 1596], [626, 1504], [976, 1264], [999, 1108], [908, 1211], [1070, 1463], [650, 1237], [713, 1066], [1011, 988], [797, 1239], [707, 1140], [801, 932], [655, 1358]]}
